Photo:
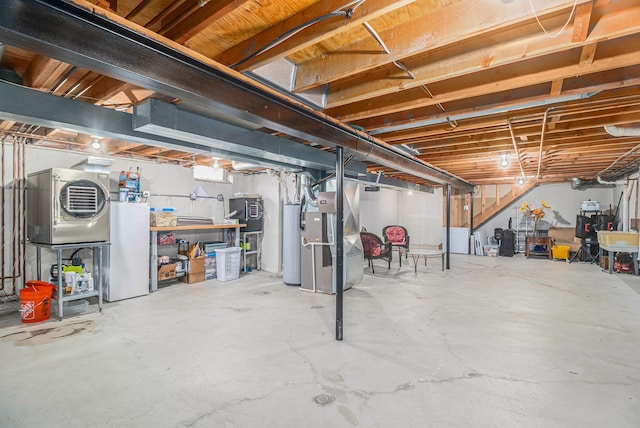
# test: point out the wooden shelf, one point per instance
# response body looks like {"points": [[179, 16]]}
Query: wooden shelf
{"points": [[533, 241]]}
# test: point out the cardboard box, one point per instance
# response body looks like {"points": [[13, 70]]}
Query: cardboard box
{"points": [[192, 278], [196, 265], [604, 263], [167, 271]]}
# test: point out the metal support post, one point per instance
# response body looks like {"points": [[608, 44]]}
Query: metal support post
{"points": [[339, 241]]}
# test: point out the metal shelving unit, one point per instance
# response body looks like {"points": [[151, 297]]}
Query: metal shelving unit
{"points": [[98, 271], [524, 227], [254, 239]]}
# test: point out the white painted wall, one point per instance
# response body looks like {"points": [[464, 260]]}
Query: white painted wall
{"points": [[565, 206], [164, 179], [419, 212], [268, 187], [379, 209]]}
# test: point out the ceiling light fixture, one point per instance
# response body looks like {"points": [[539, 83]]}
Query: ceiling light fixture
{"points": [[95, 144], [520, 181], [504, 162]]}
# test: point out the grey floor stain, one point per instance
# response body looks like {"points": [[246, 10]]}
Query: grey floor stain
{"points": [[324, 399], [49, 334]]}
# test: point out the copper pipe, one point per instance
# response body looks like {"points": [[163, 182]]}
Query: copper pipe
{"points": [[24, 211], [20, 211], [14, 208], [2, 214]]}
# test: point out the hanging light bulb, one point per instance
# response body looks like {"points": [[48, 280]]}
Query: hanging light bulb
{"points": [[504, 162], [95, 144], [520, 181]]}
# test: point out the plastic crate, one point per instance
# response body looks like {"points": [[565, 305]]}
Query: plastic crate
{"points": [[228, 263], [560, 252]]}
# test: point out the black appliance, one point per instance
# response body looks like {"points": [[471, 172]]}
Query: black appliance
{"points": [[507, 243], [248, 210], [603, 222], [497, 234], [584, 228]]}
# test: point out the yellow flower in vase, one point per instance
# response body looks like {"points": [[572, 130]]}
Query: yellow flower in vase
{"points": [[535, 213]]}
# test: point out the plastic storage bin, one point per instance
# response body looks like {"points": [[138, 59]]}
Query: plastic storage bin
{"points": [[228, 263], [560, 252]]}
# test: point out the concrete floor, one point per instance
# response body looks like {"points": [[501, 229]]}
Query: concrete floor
{"points": [[494, 342]]}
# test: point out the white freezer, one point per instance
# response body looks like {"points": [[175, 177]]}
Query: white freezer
{"points": [[127, 257]]}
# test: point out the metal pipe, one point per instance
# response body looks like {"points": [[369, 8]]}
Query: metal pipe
{"points": [[23, 235], [14, 208], [2, 214], [448, 222], [339, 241], [471, 218], [305, 184]]}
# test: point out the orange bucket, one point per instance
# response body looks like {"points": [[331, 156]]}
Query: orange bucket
{"points": [[35, 304], [42, 286]]}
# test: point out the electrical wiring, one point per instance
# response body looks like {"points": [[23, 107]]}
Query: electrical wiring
{"points": [[553, 36], [295, 30]]}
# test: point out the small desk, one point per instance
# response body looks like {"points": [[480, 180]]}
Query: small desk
{"points": [[532, 241], [424, 253], [97, 271], [153, 286]]}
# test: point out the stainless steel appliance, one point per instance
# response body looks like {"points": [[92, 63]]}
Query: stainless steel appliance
{"points": [[66, 206], [318, 249], [249, 211], [127, 257]]}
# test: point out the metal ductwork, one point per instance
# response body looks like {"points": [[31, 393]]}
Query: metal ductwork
{"points": [[307, 189], [617, 131], [93, 41], [7, 74], [579, 184]]}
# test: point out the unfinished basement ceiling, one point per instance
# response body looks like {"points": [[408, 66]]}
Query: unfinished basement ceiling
{"points": [[453, 86]]}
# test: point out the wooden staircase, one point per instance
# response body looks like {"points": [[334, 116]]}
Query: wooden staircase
{"points": [[488, 201]]}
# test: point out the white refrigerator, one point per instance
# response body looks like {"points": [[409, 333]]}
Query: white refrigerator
{"points": [[127, 258]]}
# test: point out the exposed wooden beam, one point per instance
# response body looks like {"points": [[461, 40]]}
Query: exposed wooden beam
{"points": [[556, 88], [501, 83], [462, 62], [581, 22], [587, 54], [43, 73], [436, 28], [323, 30], [377, 123], [204, 16]]}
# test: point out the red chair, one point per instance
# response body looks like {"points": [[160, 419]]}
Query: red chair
{"points": [[398, 236], [374, 248]]}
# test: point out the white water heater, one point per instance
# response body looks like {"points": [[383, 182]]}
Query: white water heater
{"points": [[291, 244]]}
